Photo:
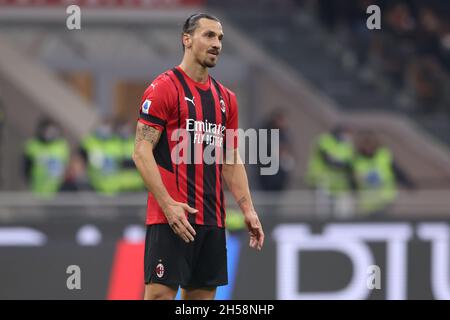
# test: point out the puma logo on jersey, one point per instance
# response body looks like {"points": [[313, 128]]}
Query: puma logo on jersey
{"points": [[191, 100]]}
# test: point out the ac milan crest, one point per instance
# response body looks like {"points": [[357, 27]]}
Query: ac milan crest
{"points": [[222, 105], [160, 270]]}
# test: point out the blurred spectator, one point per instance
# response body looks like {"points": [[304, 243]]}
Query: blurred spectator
{"points": [[396, 42], [280, 180], [376, 175], [329, 166], [425, 74], [102, 151], [329, 171], [45, 159], [130, 178], [360, 37], [428, 32], [76, 178], [426, 83]]}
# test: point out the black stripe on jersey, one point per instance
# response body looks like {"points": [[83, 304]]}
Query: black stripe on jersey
{"points": [[178, 137], [162, 152], [219, 93], [209, 170], [224, 122], [191, 165], [153, 119]]}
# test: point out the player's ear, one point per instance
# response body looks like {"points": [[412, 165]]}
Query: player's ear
{"points": [[187, 40]]}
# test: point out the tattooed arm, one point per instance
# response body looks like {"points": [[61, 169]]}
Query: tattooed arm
{"points": [[233, 172], [147, 138]]}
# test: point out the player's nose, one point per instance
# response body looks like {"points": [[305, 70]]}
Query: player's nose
{"points": [[217, 45]]}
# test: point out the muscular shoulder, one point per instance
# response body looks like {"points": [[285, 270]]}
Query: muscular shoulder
{"points": [[162, 86]]}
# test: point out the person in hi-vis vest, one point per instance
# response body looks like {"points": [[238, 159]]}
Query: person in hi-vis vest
{"points": [[102, 151], [329, 172], [376, 175], [329, 166], [45, 159]]}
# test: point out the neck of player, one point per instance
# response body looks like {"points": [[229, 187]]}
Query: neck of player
{"points": [[195, 71]]}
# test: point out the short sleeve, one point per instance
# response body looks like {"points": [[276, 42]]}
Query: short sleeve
{"points": [[158, 102]]}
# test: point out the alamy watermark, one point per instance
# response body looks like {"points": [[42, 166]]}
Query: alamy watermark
{"points": [[374, 20], [73, 282], [73, 21], [374, 278], [201, 142]]}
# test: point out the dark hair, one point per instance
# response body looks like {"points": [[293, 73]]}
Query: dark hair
{"points": [[191, 23], [43, 124]]}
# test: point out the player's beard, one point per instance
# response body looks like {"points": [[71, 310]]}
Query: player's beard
{"points": [[209, 63]]}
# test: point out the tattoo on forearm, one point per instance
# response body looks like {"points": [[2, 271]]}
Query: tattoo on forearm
{"points": [[242, 200], [147, 133]]}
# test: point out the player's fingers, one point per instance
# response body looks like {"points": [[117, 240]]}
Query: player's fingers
{"points": [[260, 239], [252, 242], [178, 230], [188, 227], [188, 236], [188, 208], [184, 233], [173, 226], [184, 237]]}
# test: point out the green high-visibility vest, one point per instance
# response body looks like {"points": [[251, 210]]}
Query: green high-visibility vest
{"points": [[104, 159], [320, 174], [375, 180], [130, 177], [49, 163]]}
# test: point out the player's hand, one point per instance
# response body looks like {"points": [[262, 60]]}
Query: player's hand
{"points": [[176, 217], [255, 230]]}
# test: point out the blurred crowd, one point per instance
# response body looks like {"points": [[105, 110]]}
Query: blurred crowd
{"points": [[102, 162], [410, 55], [341, 163], [345, 165]]}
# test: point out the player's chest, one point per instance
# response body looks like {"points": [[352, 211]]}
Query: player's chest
{"points": [[201, 105]]}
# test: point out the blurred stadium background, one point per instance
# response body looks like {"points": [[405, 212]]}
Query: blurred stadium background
{"points": [[305, 67]]}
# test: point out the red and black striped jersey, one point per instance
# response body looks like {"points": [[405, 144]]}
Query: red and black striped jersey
{"points": [[205, 112]]}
